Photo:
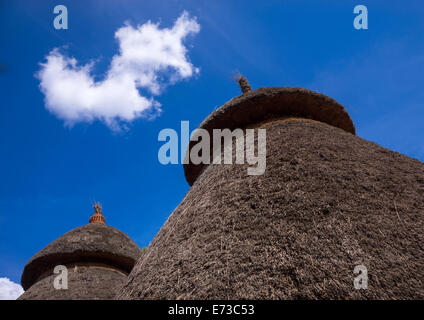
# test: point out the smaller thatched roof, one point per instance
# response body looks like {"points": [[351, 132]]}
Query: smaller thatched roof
{"points": [[94, 242], [84, 283]]}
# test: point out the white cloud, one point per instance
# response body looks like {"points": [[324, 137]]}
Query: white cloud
{"points": [[149, 58], [9, 290]]}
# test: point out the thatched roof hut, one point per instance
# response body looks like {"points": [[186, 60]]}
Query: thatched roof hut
{"points": [[98, 258], [327, 202]]}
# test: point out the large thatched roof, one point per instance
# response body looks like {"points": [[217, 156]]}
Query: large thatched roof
{"points": [[92, 243], [327, 202], [265, 104]]}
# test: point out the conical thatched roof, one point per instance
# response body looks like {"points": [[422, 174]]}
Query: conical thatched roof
{"points": [[98, 258], [327, 202], [85, 282], [267, 104]]}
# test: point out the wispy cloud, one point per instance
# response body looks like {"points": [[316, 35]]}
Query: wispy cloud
{"points": [[9, 290], [149, 58]]}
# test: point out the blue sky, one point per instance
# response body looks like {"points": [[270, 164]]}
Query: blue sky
{"points": [[49, 172]]}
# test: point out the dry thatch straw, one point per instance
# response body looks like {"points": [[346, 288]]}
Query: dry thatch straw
{"points": [[266, 104], [328, 201], [98, 258]]}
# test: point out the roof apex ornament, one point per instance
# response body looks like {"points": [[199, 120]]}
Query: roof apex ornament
{"points": [[244, 84], [97, 217]]}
